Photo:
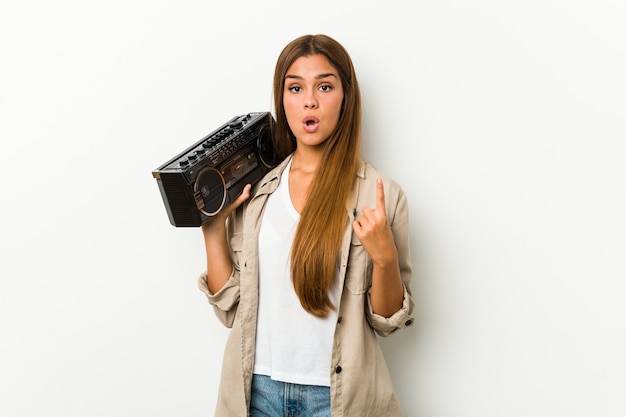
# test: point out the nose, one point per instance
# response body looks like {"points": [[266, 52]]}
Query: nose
{"points": [[310, 101]]}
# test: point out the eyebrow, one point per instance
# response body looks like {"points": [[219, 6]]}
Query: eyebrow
{"points": [[317, 77]]}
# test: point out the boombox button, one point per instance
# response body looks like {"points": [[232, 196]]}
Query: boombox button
{"points": [[235, 125]]}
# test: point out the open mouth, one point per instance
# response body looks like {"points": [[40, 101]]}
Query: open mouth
{"points": [[310, 124]]}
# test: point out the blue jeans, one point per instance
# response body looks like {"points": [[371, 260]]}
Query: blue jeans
{"points": [[281, 399]]}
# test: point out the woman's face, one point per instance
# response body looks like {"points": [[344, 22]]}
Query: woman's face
{"points": [[312, 99]]}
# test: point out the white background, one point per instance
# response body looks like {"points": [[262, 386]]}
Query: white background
{"points": [[503, 122]]}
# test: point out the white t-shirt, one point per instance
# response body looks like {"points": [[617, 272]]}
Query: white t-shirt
{"points": [[292, 345]]}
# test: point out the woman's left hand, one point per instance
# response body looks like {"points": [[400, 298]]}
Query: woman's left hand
{"points": [[374, 232]]}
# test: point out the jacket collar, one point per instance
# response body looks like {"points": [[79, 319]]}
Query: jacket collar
{"points": [[270, 182]]}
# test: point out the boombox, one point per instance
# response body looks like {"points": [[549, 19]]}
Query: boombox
{"points": [[197, 183]]}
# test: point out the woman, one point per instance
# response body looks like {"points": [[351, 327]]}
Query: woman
{"points": [[314, 260]]}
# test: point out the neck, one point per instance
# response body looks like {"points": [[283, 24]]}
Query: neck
{"points": [[306, 160]]}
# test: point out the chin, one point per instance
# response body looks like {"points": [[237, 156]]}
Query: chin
{"points": [[311, 142]]}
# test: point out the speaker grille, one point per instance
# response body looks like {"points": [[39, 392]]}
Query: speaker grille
{"points": [[178, 200]]}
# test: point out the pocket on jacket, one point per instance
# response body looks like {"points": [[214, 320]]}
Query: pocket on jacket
{"points": [[359, 265], [236, 247], [236, 242]]}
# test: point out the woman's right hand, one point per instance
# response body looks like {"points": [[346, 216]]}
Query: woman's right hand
{"points": [[219, 220]]}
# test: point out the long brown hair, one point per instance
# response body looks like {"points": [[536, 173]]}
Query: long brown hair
{"points": [[316, 244]]}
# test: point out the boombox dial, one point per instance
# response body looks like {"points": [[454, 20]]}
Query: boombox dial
{"points": [[209, 191], [265, 147], [197, 183]]}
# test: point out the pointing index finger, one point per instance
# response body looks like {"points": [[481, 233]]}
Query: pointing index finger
{"points": [[380, 195]]}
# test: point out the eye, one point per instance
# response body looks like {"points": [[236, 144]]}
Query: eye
{"points": [[326, 87], [294, 88]]}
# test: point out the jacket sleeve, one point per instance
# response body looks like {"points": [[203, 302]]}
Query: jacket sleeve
{"points": [[398, 218], [226, 301]]}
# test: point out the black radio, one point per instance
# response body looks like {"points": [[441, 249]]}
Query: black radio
{"points": [[197, 183]]}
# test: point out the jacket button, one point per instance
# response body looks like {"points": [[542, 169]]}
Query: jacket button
{"points": [[408, 322], [340, 319], [337, 369]]}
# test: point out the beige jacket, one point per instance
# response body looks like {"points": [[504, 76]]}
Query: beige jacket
{"points": [[360, 382]]}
